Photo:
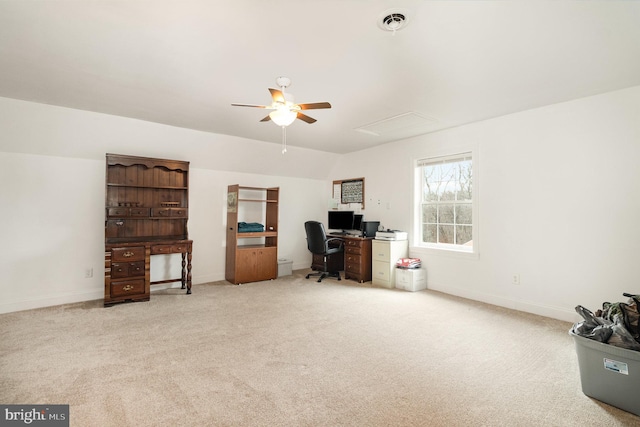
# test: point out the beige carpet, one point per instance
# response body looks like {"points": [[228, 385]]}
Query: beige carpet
{"points": [[293, 352]]}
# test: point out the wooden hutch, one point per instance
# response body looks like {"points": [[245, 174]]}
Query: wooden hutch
{"points": [[147, 209]]}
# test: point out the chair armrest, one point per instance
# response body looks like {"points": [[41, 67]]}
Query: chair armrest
{"points": [[341, 241]]}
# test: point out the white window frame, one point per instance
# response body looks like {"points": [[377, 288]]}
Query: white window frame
{"points": [[441, 248]]}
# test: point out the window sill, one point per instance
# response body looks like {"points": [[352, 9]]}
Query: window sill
{"points": [[445, 252]]}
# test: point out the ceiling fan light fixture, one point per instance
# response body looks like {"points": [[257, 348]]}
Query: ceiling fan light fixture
{"points": [[283, 116]]}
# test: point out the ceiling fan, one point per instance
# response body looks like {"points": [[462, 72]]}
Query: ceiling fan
{"points": [[285, 110]]}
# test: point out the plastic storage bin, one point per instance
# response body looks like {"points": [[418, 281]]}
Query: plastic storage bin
{"points": [[608, 373], [284, 267], [411, 279]]}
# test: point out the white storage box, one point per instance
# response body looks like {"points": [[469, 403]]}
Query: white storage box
{"points": [[413, 279], [608, 373], [284, 267]]}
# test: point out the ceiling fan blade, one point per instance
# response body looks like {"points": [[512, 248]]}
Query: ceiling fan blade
{"points": [[250, 105], [266, 119], [306, 118], [314, 106], [277, 95]]}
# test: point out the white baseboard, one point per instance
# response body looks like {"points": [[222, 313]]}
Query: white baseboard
{"points": [[198, 280], [559, 313], [50, 300], [73, 297]]}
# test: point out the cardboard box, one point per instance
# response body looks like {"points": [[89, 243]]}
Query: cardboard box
{"points": [[609, 374]]}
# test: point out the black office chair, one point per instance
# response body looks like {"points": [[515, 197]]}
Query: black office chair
{"points": [[318, 244]]}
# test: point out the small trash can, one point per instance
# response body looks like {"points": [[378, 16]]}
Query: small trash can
{"points": [[609, 374], [284, 267]]}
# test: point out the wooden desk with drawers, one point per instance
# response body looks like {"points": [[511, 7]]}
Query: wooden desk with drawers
{"points": [[127, 268], [356, 262]]}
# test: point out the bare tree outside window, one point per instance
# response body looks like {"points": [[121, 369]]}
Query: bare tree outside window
{"points": [[447, 197]]}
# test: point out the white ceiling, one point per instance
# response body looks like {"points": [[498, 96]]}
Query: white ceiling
{"points": [[183, 63]]}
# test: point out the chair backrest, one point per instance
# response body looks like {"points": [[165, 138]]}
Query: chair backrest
{"points": [[316, 237]]}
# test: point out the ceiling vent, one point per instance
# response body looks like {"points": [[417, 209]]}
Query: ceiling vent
{"points": [[402, 125], [393, 20]]}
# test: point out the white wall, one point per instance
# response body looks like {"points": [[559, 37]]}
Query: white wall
{"points": [[51, 227], [557, 186], [52, 170], [559, 191], [30, 128]]}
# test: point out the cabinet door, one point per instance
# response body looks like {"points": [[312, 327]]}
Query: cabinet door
{"points": [[267, 264], [256, 264], [246, 260]]}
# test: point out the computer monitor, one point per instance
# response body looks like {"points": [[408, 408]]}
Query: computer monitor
{"points": [[357, 222], [340, 220]]}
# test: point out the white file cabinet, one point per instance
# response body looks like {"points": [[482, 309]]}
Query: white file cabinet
{"points": [[384, 255], [411, 279]]}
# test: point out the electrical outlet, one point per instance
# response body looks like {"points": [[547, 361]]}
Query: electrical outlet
{"points": [[515, 279], [88, 273]]}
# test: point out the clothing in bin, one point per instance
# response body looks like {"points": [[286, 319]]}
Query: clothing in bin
{"points": [[608, 348]]}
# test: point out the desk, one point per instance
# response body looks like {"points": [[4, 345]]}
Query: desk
{"points": [[356, 262], [127, 268]]}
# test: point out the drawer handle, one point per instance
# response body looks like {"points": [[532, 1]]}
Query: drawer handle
{"points": [[127, 288], [119, 223], [128, 254]]}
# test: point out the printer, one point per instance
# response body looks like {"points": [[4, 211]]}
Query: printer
{"points": [[391, 235]]}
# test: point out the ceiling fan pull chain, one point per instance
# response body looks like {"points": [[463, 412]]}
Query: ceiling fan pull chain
{"points": [[284, 139]]}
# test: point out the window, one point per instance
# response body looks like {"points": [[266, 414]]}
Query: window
{"points": [[445, 210]]}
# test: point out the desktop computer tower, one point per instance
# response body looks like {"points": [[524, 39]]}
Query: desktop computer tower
{"points": [[369, 228]]}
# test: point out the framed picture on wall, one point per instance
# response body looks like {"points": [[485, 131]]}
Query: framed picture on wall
{"points": [[350, 190]]}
